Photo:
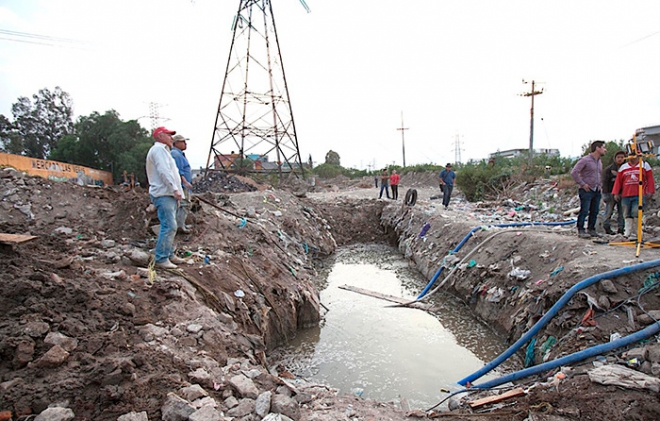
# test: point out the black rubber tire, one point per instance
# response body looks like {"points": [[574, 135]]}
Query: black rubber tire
{"points": [[411, 197]]}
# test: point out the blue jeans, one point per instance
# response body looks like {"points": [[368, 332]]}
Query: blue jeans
{"points": [[446, 194], [630, 206], [386, 187], [167, 206], [589, 203]]}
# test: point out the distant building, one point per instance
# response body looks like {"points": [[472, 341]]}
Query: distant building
{"points": [[513, 153]]}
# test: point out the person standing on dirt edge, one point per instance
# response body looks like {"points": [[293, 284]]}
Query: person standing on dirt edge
{"points": [[165, 191], [180, 144], [608, 177], [447, 177], [394, 183], [384, 184], [626, 191], [586, 174]]}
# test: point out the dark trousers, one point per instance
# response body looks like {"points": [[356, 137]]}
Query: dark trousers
{"points": [[589, 203], [446, 194], [395, 191], [610, 205]]}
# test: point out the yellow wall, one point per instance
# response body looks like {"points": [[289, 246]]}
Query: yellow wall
{"points": [[56, 171]]}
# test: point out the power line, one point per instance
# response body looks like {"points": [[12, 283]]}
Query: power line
{"points": [[50, 41]]}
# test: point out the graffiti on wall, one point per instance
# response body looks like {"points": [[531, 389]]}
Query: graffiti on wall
{"points": [[57, 171]]}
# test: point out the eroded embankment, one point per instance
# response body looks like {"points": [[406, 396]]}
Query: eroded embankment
{"points": [[87, 326], [511, 277]]}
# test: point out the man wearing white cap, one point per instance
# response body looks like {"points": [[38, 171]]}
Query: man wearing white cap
{"points": [[165, 192], [180, 144]]}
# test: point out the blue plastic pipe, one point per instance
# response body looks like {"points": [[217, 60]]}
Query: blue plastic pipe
{"points": [[572, 358], [469, 235], [552, 312]]}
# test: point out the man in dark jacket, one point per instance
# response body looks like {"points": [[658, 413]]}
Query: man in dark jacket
{"points": [[608, 177]]}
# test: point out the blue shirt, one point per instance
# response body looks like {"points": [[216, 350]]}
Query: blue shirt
{"points": [[182, 164], [448, 177]]}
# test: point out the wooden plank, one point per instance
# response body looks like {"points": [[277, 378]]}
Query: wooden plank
{"points": [[386, 297], [497, 398], [15, 238]]}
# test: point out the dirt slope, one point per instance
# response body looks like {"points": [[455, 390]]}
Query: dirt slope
{"points": [[88, 328]]}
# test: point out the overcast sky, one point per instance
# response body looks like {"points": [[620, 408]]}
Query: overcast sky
{"points": [[454, 68]]}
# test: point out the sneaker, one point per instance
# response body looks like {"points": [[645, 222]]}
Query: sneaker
{"points": [[608, 231], [594, 234], [177, 260], [620, 231], [166, 264], [583, 234], [184, 230]]}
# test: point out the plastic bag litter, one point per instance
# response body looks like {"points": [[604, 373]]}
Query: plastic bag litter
{"points": [[519, 274]]}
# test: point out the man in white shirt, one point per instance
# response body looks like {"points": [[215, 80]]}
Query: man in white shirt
{"points": [[165, 192]]}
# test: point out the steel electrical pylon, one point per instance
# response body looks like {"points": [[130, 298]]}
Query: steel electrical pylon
{"points": [[255, 117]]}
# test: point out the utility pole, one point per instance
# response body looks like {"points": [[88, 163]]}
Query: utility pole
{"points": [[531, 93], [403, 141]]}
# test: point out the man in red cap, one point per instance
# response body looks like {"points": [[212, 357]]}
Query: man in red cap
{"points": [[165, 192]]}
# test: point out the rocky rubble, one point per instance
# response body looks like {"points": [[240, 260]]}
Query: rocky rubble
{"points": [[90, 331]]}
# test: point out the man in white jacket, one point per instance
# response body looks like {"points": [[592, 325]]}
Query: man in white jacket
{"points": [[165, 192]]}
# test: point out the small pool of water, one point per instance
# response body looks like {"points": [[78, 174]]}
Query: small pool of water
{"points": [[364, 347]]}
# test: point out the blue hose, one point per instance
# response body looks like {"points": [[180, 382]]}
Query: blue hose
{"points": [[552, 312], [572, 358], [472, 231]]}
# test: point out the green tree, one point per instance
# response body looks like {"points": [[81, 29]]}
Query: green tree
{"points": [[105, 142], [10, 142], [332, 158], [40, 124]]}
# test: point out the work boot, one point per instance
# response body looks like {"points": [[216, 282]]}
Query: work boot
{"points": [[594, 234], [628, 228], [166, 264], [177, 260], [583, 234]]}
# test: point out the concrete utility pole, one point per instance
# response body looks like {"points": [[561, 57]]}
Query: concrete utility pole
{"points": [[531, 93], [403, 142]]}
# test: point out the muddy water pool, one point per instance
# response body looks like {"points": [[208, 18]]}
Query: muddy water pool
{"points": [[364, 347]]}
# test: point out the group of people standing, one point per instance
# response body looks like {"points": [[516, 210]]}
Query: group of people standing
{"points": [[446, 179], [170, 186], [618, 185], [387, 181]]}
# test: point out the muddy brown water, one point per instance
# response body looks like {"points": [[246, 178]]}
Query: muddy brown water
{"points": [[388, 354]]}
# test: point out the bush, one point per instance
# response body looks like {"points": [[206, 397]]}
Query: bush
{"points": [[328, 170]]}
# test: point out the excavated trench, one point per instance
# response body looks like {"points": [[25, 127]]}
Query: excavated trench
{"points": [[369, 348]]}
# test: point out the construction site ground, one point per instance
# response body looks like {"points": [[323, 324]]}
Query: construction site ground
{"points": [[90, 331]]}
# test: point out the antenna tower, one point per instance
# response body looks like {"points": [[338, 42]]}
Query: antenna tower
{"points": [[254, 113], [457, 149]]}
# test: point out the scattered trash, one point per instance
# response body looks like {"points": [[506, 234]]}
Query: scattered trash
{"points": [[588, 319], [519, 274], [625, 377], [207, 259], [239, 293], [556, 271], [425, 229], [242, 223]]}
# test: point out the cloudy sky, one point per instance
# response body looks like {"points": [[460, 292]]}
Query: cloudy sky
{"points": [[454, 68]]}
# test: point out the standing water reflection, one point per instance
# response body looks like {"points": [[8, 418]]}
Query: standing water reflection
{"points": [[386, 353]]}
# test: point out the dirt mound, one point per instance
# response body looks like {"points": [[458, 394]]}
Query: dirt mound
{"points": [[221, 182]]}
